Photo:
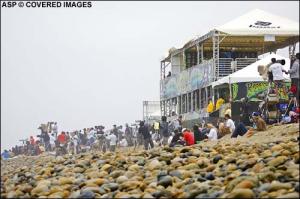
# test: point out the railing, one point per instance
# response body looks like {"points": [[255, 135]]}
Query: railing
{"points": [[224, 67], [243, 62]]}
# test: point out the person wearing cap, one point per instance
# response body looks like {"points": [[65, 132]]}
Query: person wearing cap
{"points": [[188, 137]]}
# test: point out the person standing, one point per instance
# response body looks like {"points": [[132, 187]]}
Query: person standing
{"points": [[128, 134], [112, 141], [146, 135], [164, 130], [277, 72], [294, 74], [52, 142]]}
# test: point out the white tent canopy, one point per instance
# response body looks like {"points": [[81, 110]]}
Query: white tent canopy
{"points": [[258, 22], [250, 73]]}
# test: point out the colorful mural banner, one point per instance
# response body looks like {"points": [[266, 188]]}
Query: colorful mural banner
{"points": [[252, 89], [188, 80]]}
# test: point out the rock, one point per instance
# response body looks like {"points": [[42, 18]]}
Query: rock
{"points": [[277, 161], [276, 148], [121, 179], [86, 194], [232, 184], [277, 185], [134, 167], [165, 181], [40, 190], [154, 164], [78, 170], [245, 184], [191, 166], [210, 176], [241, 193], [65, 180], [106, 167], [216, 159], [290, 195]]}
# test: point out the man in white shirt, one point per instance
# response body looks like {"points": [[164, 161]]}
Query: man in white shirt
{"points": [[213, 134], [112, 141], [277, 72], [52, 141], [229, 123]]}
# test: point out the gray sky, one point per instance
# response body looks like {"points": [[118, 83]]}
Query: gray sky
{"points": [[84, 67]]}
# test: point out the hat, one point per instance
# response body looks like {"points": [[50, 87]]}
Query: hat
{"points": [[184, 129], [255, 114], [210, 125]]}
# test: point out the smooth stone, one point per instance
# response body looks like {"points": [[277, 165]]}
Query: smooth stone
{"points": [[121, 179], [39, 190], [154, 164], [232, 184], [277, 185], [165, 181], [210, 176], [106, 167], [86, 194], [290, 195], [241, 193], [216, 159], [277, 161]]}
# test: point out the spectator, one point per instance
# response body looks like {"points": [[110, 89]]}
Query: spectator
{"points": [[5, 155], [198, 135], [219, 103], [245, 108], [213, 134], [241, 130], [210, 107], [229, 123], [32, 141], [52, 141], [188, 137], [146, 135], [164, 130], [277, 72], [258, 122], [177, 139], [62, 138], [112, 141], [294, 74]]}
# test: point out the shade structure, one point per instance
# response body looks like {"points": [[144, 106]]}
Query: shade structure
{"points": [[259, 22]]}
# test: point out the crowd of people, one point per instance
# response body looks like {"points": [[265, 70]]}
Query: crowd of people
{"points": [[162, 133]]}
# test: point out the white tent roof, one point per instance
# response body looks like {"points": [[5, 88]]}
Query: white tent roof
{"points": [[259, 22], [250, 73]]}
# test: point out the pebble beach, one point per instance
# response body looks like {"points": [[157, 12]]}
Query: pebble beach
{"points": [[265, 165]]}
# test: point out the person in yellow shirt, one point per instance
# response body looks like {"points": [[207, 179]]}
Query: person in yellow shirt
{"points": [[219, 103], [210, 107]]}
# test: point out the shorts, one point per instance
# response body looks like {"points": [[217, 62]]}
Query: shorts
{"points": [[279, 83]]}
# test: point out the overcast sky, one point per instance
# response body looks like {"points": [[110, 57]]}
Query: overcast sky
{"points": [[92, 66]]}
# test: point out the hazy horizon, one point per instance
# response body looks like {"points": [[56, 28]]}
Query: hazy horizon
{"points": [[86, 67]]}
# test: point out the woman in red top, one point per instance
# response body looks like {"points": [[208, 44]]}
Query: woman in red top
{"points": [[188, 137], [62, 138]]}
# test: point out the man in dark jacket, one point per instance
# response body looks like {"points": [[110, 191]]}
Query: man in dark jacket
{"points": [[198, 135], [146, 135], [164, 130]]}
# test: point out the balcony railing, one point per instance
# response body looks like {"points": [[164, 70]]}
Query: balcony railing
{"points": [[227, 65]]}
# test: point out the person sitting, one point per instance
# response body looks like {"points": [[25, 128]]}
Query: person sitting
{"points": [[169, 74], [177, 139], [213, 134], [219, 103], [223, 130], [188, 137], [259, 123], [229, 123], [198, 135], [241, 130]]}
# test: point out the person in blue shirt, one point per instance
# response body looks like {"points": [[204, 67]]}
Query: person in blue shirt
{"points": [[5, 155]]}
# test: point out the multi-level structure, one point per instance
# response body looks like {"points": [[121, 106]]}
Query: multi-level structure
{"points": [[187, 73]]}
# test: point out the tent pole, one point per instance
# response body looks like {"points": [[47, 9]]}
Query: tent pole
{"points": [[230, 91]]}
